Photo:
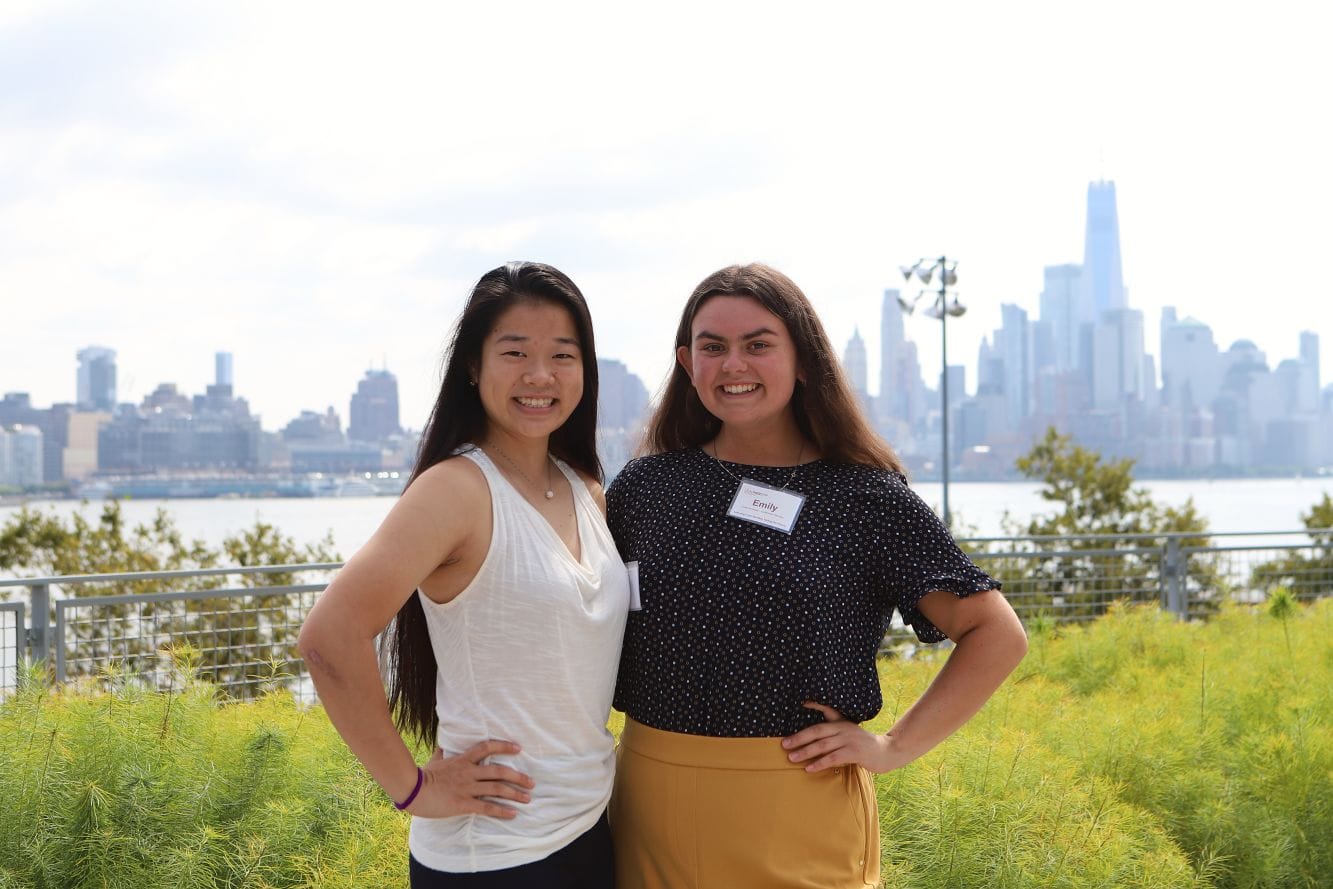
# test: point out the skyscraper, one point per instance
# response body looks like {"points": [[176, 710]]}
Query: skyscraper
{"points": [[854, 362], [223, 366], [374, 413], [891, 340], [1060, 308], [1102, 282], [97, 378]]}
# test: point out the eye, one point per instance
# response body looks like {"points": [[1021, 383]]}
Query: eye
{"points": [[712, 347], [759, 346], [566, 356], [513, 353]]}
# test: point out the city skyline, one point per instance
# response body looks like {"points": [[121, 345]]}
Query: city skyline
{"points": [[315, 217]]}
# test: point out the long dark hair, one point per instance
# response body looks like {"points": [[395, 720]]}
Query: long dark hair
{"points": [[457, 418], [827, 411]]}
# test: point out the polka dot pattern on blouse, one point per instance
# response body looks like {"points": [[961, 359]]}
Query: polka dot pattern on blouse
{"points": [[741, 623]]}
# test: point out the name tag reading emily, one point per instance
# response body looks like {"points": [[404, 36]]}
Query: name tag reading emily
{"points": [[765, 505]]}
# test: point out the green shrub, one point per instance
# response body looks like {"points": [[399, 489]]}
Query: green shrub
{"points": [[131, 788], [1134, 751]]}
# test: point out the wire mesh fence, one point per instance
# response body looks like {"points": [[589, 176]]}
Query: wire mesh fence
{"points": [[12, 642], [243, 637]]}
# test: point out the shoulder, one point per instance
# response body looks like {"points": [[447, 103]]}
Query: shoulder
{"points": [[450, 481], [645, 471], [594, 488], [871, 479]]}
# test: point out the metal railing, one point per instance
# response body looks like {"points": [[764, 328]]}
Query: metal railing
{"points": [[243, 638]]}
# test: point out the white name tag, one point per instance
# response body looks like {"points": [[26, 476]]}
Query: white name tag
{"points": [[765, 505], [632, 568]]}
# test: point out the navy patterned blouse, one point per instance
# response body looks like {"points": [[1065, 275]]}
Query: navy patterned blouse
{"points": [[741, 623]]}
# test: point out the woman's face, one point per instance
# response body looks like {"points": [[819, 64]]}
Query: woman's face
{"points": [[531, 374], [741, 360]]}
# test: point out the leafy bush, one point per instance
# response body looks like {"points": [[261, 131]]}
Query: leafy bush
{"points": [[1135, 751], [137, 788]]}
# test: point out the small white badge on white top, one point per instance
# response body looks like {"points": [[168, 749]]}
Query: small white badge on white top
{"points": [[632, 568], [766, 505]]}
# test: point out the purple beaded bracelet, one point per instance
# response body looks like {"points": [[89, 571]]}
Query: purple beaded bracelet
{"points": [[421, 779]]}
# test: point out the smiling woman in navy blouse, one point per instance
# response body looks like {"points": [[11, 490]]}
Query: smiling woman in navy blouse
{"points": [[772, 535]]}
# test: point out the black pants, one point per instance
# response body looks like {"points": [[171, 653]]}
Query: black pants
{"points": [[586, 863]]}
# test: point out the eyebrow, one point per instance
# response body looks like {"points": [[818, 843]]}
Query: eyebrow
{"points": [[519, 338], [763, 331]]}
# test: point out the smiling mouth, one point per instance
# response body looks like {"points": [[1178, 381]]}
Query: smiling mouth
{"points": [[535, 402], [740, 388]]}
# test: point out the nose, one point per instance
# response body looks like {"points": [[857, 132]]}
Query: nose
{"points": [[539, 373], [734, 362]]}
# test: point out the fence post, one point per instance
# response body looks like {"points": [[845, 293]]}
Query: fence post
{"points": [[1173, 573], [39, 633]]}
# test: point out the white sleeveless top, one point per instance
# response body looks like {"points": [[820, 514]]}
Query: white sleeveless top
{"points": [[528, 653]]}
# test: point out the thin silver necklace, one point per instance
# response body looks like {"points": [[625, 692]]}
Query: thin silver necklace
{"points": [[795, 469], [550, 489]]}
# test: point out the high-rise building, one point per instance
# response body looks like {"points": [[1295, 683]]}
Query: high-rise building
{"points": [[622, 399], [1061, 309], [374, 410], [222, 365], [97, 378], [1103, 285], [1311, 383], [1013, 343], [1117, 359], [854, 362], [21, 456], [891, 341], [1191, 365]]}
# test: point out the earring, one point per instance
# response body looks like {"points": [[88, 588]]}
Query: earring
{"points": [[472, 382]]}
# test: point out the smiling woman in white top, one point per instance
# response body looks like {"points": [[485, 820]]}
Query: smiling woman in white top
{"points": [[508, 604]]}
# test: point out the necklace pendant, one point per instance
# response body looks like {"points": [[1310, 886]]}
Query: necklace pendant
{"points": [[550, 495]]}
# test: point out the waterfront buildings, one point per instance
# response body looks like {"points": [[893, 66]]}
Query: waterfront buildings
{"points": [[1082, 366]]}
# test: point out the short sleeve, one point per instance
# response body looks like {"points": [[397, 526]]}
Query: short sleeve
{"points": [[920, 557]]}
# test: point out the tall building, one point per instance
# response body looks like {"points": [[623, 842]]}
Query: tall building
{"points": [[21, 456], [222, 365], [1061, 309], [892, 339], [1191, 364], [622, 399], [374, 410], [97, 379], [854, 362], [1117, 359], [1103, 285], [1013, 343], [1311, 382]]}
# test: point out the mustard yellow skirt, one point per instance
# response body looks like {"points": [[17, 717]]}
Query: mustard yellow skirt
{"points": [[693, 812]]}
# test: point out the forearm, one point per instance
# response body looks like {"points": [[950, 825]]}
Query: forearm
{"points": [[979, 663], [346, 675]]}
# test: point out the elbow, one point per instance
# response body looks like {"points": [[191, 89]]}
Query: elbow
{"points": [[1018, 643]]}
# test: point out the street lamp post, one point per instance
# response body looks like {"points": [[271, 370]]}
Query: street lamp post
{"points": [[941, 308]]}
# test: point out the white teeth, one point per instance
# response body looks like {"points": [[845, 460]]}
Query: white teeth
{"points": [[536, 402], [740, 389]]}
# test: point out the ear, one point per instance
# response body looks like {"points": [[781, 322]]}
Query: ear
{"points": [[683, 359], [800, 374]]}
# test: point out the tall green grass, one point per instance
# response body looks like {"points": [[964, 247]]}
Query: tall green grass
{"points": [[1136, 751], [130, 788], [1133, 751]]}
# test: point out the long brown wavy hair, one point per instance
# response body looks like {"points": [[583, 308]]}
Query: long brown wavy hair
{"points": [[827, 411], [458, 418]]}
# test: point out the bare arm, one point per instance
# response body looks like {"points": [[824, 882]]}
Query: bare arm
{"points": [[988, 643], [424, 534]]}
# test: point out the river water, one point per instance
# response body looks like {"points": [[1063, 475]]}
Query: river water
{"points": [[979, 507]]}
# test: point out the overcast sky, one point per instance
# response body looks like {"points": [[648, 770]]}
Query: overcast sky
{"points": [[314, 187]]}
